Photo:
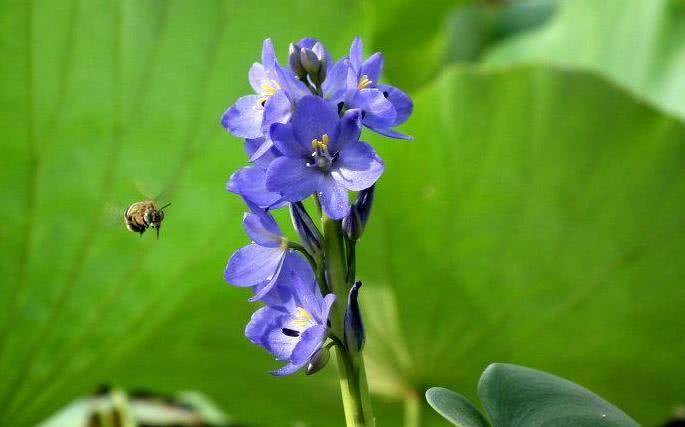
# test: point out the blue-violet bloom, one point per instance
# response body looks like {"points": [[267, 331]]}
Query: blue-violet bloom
{"points": [[293, 328], [384, 106], [276, 91], [259, 264], [322, 155]]}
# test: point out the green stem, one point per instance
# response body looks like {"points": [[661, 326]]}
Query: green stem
{"points": [[353, 386], [412, 410], [301, 249]]}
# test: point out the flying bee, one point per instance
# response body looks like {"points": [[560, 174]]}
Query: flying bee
{"points": [[142, 215]]}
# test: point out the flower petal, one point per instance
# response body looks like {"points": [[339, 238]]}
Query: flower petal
{"points": [[310, 340], [268, 55], [250, 182], [253, 264], [280, 344], [293, 88], [262, 229], [349, 129], [358, 167], [284, 139], [261, 323], [402, 103], [257, 75], [333, 198], [356, 53], [372, 67], [391, 133], [292, 178], [312, 118], [277, 109], [378, 111], [283, 284], [286, 370], [266, 291], [328, 302], [299, 276], [244, 118], [261, 150], [276, 296], [336, 81]]}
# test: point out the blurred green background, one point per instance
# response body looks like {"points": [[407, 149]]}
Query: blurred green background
{"points": [[536, 219]]}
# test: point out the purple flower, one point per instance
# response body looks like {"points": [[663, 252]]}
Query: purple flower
{"points": [[292, 326], [259, 264], [249, 182], [383, 106], [322, 155], [276, 91]]}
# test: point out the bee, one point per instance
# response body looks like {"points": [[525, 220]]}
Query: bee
{"points": [[141, 215]]}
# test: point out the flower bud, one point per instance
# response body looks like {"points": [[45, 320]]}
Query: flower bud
{"points": [[294, 61], [354, 223], [354, 328], [318, 360], [310, 236], [308, 60]]}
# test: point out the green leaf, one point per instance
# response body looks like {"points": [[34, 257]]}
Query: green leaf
{"points": [[455, 408], [518, 396], [473, 29], [412, 37], [638, 43], [98, 97], [536, 218]]}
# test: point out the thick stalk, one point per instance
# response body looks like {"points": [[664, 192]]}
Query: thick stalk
{"points": [[412, 409], [353, 386]]}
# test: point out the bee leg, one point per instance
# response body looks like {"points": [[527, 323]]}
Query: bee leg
{"points": [[157, 233]]}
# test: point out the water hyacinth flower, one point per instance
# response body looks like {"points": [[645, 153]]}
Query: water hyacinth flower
{"points": [[301, 129], [322, 155], [276, 91], [260, 263], [294, 327], [384, 106]]}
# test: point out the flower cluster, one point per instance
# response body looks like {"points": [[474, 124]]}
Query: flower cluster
{"points": [[301, 129]]}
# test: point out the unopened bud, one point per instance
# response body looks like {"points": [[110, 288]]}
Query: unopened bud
{"points": [[354, 328], [318, 360], [355, 222], [294, 61], [311, 63], [309, 234]]}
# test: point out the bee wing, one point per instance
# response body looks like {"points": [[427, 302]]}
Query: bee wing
{"points": [[160, 197], [114, 215]]}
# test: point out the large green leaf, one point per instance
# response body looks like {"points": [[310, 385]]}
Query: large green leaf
{"points": [[518, 396], [412, 37], [455, 408], [536, 219], [96, 97], [639, 43]]}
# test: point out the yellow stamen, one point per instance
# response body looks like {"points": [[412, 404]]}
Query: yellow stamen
{"points": [[302, 318], [321, 144], [269, 89], [284, 243], [364, 82]]}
